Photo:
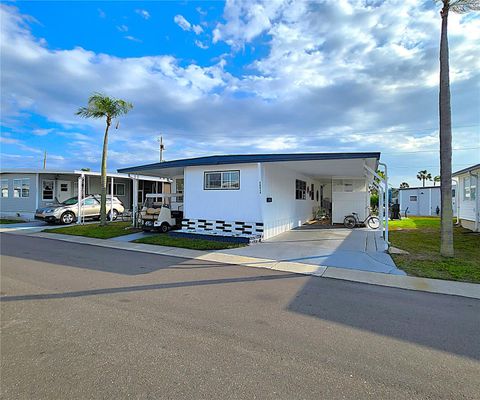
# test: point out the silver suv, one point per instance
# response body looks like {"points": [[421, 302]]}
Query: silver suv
{"points": [[66, 212]]}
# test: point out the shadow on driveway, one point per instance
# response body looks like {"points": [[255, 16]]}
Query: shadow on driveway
{"points": [[91, 257]]}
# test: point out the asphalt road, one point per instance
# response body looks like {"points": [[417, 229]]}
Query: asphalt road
{"points": [[84, 322]]}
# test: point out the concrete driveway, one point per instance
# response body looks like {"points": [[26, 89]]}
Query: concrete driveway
{"points": [[361, 249]]}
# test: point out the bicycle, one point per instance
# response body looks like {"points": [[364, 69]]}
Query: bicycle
{"points": [[127, 216], [351, 221]]}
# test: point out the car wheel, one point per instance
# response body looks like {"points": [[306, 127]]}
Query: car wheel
{"points": [[115, 215], [164, 227], [67, 218]]}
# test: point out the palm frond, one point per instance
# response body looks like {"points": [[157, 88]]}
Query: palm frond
{"points": [[464, 6], [100, 106]]}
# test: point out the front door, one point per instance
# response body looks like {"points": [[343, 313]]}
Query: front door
{"points": [[64, 190]]}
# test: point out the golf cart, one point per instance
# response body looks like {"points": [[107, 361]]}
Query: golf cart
{"points": [[157, 213]]}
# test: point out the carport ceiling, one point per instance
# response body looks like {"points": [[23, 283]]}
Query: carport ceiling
{"points": [[351, 168]]}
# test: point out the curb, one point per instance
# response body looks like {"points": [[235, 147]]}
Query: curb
{"points": [[464, 289]]}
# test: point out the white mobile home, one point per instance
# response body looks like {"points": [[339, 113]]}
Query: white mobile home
{"points": [[468, 202], [422, 201], [23, 191], [267, 193]]}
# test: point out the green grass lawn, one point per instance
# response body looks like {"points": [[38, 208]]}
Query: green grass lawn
{"points": [[194, 244], [420, 236], [10, 221], [113, 229]]}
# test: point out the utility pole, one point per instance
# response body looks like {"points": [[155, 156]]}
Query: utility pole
{"points": [[162, 148], [45, 159]]}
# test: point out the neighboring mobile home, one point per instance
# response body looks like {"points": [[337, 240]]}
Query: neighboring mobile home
{"points": [[422, 201], [267, 193], [23, 191], [468, 202]]}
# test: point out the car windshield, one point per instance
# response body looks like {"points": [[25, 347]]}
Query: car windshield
{"points": [[71, 201]]}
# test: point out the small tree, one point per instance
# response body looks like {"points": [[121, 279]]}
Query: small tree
{"points": [[101, 106], [404, 185], [436, 179], [424, 176]]}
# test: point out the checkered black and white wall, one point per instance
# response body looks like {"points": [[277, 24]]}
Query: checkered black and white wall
{"points": [[240, 227]]}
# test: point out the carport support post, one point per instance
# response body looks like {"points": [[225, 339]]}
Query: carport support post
{"points": [[387, 205], [380, 208], [111, 198], [135, 201], [383, 196], [79, 197]]}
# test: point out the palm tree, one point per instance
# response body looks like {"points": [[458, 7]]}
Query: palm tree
{"points": [[101, 106], [436, 179], [404, 185], [424, 176], [445, 114]]}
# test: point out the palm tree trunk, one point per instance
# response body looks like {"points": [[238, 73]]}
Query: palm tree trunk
{"points": [[103, 198], [446, 233]]}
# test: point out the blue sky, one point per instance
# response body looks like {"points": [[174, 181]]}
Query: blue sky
{"points": [[235, 77]]}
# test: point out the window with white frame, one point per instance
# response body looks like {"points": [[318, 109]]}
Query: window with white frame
{"points": [[21, 188], [118, 189], [222, 180], [179, 182], [473, 188], [4, 187], [466, 188], [47, 189], [469, 188], [300, 190]]}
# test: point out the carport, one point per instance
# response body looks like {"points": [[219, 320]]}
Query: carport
{"points": [[136, 194]]}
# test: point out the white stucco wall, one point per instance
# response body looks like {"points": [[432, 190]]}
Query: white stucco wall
{"points": [[467, 207], [344, 203], [284, 212], [227, 205]]}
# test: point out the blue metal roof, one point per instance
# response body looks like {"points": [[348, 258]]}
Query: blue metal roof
{"points": [[462, 171], [249, 158]]}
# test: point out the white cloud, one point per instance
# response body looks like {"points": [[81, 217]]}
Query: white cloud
{"points": [[122, 28], [201, 11], [330, 78], [42, 132], [143, 13], [198, 43], [132, 38], [187, 26], [197, 29], [101, 13], [182, 22], [19, 144]]}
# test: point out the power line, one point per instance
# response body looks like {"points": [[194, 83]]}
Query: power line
{"points": [[256, 135]]}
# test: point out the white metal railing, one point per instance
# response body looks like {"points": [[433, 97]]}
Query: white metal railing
{"points": [[383, 201]]}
